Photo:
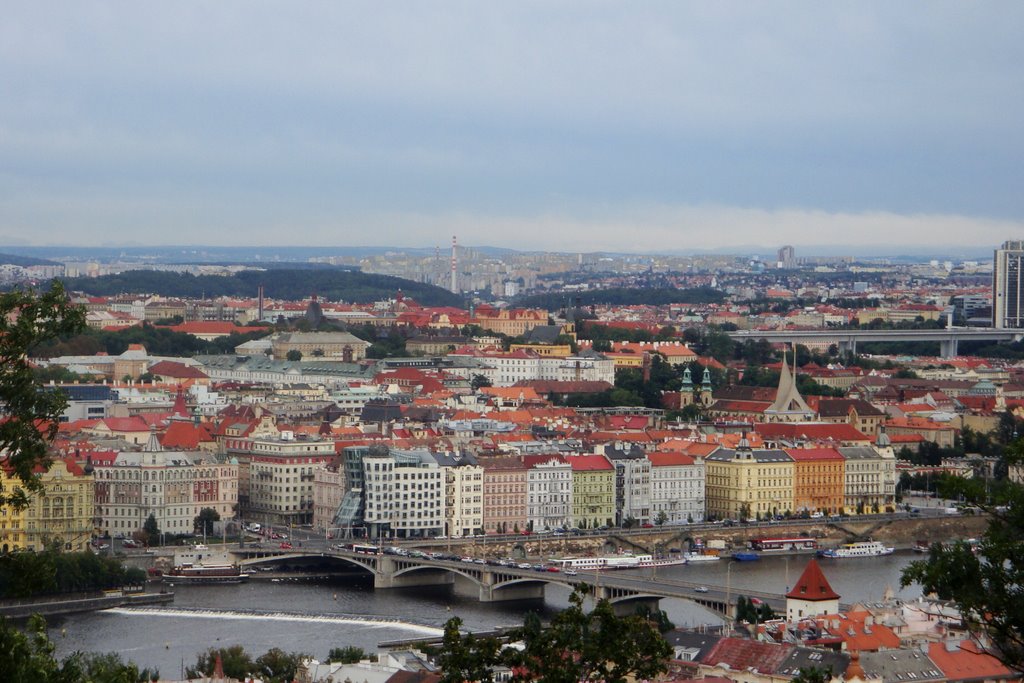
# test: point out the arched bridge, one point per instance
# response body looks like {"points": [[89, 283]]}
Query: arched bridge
{"points": [[626, 589]]}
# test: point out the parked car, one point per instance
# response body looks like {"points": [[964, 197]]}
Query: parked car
{"points": [[286, 546]]}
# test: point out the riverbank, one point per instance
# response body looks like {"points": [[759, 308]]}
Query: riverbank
{"points": [[77, 603]]}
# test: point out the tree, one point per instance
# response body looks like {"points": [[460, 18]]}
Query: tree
{"points": [[985, 585], [203, 522], [479, 381], [278, 666], [28, 656], [151, 529], [466, 657], [236, 662], [350, 654], [661, 518], [28, 319], [293, 355], [813, 674]]}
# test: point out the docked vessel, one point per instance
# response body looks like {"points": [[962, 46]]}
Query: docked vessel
{"points": [[922, 546], [863, 549], [700, 557], [746, 556], [208, 573], [625, 561]]}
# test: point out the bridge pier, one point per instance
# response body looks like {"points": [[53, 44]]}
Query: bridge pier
{"points": [[385, 576], [520, 591], [948, 348], [848, 346]]}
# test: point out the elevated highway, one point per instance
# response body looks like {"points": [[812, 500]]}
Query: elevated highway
{"points": [[847, 339]]}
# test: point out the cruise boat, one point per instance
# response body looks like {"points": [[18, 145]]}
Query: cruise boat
{"points": [[700, 557], [206, 573], [624, 561], [863, 549]]}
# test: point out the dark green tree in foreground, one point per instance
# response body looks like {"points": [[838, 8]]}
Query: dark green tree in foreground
{"points": [[350, 654], [30, 416], [576, 646], [151, 530], [986, 586], [26, 656], [203, 522]]}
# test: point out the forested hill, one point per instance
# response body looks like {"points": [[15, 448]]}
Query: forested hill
{"points": [[332, 284], [621, 296], [25, 261]]}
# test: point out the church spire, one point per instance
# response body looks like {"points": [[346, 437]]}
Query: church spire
{"points": [[789, 405]]}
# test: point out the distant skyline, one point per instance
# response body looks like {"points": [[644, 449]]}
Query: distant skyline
{"points": [[587, 126]]}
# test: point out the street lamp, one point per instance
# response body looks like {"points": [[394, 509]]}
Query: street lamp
{"points": [[728, 592]]}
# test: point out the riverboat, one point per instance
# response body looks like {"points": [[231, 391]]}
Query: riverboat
{"points": [[205, 573], [625, 561], [922, 546], [863, 549], [746, 556], [783, 544], [700, 557]]}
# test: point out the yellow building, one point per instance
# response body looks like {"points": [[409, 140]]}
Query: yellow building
{"points": [[748, 483], [593, 491], [63, 511]]}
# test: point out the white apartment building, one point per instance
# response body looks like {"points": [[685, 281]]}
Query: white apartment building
{"points": [[549, 494], [632, 481], [403, 494], [504, 369], [677, 487], [463, 495], [173, 486], [870, 476], [281, 474]]}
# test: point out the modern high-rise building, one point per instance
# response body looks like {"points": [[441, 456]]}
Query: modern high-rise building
{"points": [[1007, 299]]}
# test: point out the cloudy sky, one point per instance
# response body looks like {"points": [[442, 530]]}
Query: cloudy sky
{"points": [[559, 125]]}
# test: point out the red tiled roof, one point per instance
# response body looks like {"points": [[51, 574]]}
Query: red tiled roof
{"points": [[812, 585]]}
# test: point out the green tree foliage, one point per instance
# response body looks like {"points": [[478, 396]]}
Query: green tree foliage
{"points": [[278, 666], [151, 530], [479, 381], [157, 340], [293, 355], [812, 674], [751, 612], [576, 646], [234, 659], [985, 585], [350, 654], [203, 522], [330, 283], [27, 657], [28, 319], [24, 575]]}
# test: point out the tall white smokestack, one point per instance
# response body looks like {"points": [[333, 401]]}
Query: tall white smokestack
{"points": [[455, 283]]}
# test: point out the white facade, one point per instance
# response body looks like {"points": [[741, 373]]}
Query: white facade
{"points": [[549, 495], [464, 505], [328, 490], [404, 494], [677, 489], [870, 478]]}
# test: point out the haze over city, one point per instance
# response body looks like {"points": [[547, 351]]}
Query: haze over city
{"points": [[535, 125]]}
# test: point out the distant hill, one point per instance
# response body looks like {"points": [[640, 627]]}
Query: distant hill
{"points": [[333, 284], [16, 260]]}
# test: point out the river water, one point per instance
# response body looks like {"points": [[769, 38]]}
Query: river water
{"points": [[315, 617]]}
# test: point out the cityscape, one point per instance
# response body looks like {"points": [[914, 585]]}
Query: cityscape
{"points": [[365, 344]]}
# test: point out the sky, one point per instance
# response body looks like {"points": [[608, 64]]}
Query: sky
{"points": [[568, 126]]}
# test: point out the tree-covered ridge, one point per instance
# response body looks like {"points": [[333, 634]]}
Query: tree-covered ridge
{"points": [[622, 296], [333, 284]]}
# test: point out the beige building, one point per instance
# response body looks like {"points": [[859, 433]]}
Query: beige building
{"points": [[281, 474], [748, 482], [463, 494], [320, 346], [173, 486], [63, 512], [504, 495], [328, 490]]}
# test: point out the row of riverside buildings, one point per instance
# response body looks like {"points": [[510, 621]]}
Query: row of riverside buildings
{"points": [[384, 491]]}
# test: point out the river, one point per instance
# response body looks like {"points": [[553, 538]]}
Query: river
{"points": [[315, 617]]}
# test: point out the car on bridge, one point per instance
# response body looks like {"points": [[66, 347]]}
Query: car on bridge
{"points": [[701, 589]]}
